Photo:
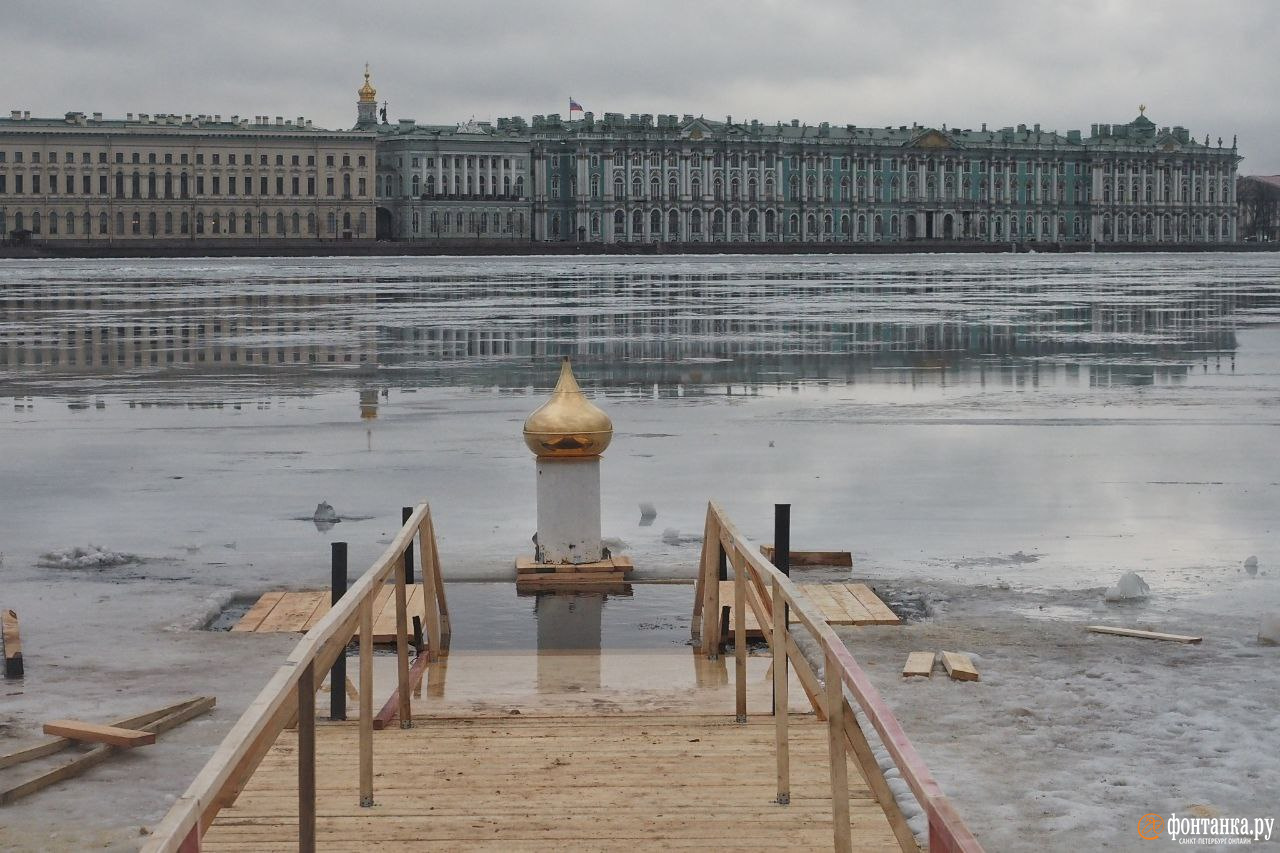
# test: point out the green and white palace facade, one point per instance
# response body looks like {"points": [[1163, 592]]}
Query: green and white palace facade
{"points": [[612, 180], [672, 179]]}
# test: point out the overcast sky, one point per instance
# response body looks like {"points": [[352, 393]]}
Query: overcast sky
{"points": [[1210, 66]]}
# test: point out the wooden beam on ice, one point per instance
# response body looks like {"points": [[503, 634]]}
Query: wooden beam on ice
{"points": [[1144, 635], [839, 559], [960, 666], [102, 752], [918, 664], [97, 733], [57, 744]]}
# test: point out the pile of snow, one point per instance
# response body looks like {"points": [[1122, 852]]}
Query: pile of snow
{"points": [[1130, 588], [1269, 630], [91, 557], [326, 513]]}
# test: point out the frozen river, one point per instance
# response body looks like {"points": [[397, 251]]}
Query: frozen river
{"points": [[969, 427], [934, 414]]}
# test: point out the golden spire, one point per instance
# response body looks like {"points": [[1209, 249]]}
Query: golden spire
{"points": [[368, 94], [568, 424]]}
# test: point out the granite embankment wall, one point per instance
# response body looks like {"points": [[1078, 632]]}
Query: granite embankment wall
{"points": [[313, 248]]}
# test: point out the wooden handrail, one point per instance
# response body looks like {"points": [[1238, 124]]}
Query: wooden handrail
{"points": [[947, 830], [220, 780]]}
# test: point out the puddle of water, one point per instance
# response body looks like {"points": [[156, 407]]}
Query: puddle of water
{"points": [[494, 617]]}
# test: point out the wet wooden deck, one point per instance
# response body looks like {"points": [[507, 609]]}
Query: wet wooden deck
{"points": [[607, 782], [298, 612], [839, 604]]}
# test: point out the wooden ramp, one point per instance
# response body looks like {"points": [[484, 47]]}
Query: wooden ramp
{"points": [[840, 603], [298, 612], [556, 783]]}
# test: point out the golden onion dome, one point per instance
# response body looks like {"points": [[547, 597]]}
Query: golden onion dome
{"points": [[568, 425], [368, 94]]}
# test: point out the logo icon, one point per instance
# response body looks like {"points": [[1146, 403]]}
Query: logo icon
{"points": [[1150, 827]]}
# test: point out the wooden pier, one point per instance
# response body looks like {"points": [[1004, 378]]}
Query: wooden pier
{"points": [[556, 783], [581, 772]]}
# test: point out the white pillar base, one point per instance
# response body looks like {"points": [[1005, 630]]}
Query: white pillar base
{"points": [[569, 511]]}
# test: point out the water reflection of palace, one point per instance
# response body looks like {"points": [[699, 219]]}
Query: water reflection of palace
{"points": [[624, 329], [170, 328]]}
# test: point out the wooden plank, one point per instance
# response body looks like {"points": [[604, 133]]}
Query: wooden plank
{"points": [[881, 614], [568, 783], [384, 615], [959, 666], [403, 629], [801, 559], [255, 614], [57, 744], [571, 578], [366, 704], [1144, 635], [102, 752], [79, 730], [292, 612], [12, 644], [306, 750], [839, 766], [919, 664], [858, 613], [832, 612]]}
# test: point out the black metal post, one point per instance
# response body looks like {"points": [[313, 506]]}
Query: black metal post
{"points": [[722, 573], [338, 675], [405, 512], [782, 538], [782, 553]]}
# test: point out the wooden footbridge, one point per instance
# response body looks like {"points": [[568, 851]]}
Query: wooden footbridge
{"points": [[672, 775]]}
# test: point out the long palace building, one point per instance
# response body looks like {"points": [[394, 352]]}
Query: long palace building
{"points": [[613, 179]]}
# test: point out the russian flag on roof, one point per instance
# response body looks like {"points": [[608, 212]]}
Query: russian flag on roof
{"points": [[574, 105]]}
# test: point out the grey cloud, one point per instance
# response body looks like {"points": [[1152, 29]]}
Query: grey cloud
{"points": [[1208, 67]]}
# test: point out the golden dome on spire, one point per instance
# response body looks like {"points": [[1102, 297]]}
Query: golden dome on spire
{"points": [[368, 94], [568, 425]]}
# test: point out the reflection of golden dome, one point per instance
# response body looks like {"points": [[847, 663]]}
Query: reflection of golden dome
{"points": [[568, 424], [368, 94]]}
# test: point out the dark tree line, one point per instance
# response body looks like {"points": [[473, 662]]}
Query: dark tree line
{"points": [[1259, 203]]}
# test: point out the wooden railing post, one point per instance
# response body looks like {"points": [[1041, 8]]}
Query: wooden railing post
{"points": [[781, 704], [402, 647], [430, 598], [366, 702], [708, 578], [442, 601], [839, 767], [307, 759], [740, 639]]}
